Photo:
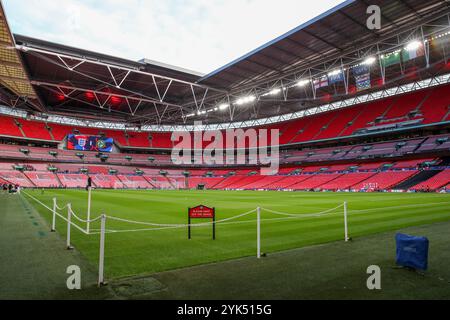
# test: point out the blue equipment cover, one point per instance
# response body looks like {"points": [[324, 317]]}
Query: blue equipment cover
{"points": [[412, 252]]}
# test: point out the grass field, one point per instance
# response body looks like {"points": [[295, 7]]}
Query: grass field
{"points": [[148, 252]]}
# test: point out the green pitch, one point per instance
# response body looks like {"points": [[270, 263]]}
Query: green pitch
{"points": [[136, 251]]}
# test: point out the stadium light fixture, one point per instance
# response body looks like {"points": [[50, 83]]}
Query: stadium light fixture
{"points": [[274, 92], [370, 61], [302, 83], [245, 100], [224, 106], [413, 45], [116, 100], [89, 95]]}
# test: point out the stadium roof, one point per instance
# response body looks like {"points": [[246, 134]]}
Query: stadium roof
{"points": [[333, 33], [74, 82], [13, 77]]}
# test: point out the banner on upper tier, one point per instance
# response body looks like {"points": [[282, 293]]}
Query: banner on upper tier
{"points": [[89, 143]]}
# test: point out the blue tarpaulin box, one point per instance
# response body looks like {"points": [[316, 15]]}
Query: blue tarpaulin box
{"points": [[412, 252]]}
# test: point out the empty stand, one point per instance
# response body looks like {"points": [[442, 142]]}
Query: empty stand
{"points": [[438, 181]]}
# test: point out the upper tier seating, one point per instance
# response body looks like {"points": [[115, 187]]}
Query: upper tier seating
{"points": [[35, 130], [8, 127], [429, 106]]}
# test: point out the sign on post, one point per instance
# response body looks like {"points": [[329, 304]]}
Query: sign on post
{"points": [[202, 212]]}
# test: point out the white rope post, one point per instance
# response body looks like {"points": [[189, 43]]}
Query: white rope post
{"points": [[69, 223], [258, 232], [88, 225], [54, 216], [346, 221], [101, 263]]}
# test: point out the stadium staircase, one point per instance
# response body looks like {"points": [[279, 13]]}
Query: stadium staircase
{"points": [[417, 179], [149, 181], [29, 180], [19, 126], [51, 133], [170, 182], [59, 180]]}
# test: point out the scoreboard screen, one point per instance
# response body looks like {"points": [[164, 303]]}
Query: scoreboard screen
{"points": [[89, 143]]}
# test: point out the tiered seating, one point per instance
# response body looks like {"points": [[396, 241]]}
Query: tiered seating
{"points": [[161, 182], [107, 181], [314, 126], [139, 140], [6, 166], [410, 163], [369, 112], [177, 182], [161, 140], [432, 105], [287, 182], [438, 181], [266, 182], [244, 182], [9, 128], [59, 131], [436, 107], [385, 180], [229, 182], [134, 182], [347, 181], [118, 136], [43, 180], [340, 123], [404, 105], [315, 181], [35, 130], [209, 183], [441, 142], [16, 177], [98, 170], [73, 180], [371, 166]]}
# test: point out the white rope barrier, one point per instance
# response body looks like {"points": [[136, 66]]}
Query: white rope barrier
{"points": [[84, 221], [179, 226], [299, 215], [157, 226], [63, 208], [174, 226], [55, 213]]}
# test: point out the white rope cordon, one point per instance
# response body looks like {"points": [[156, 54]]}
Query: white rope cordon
{"points": [[223, 222], [59, 215], [175, 226], [82, 220], [63, 208], [310, 215]]}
